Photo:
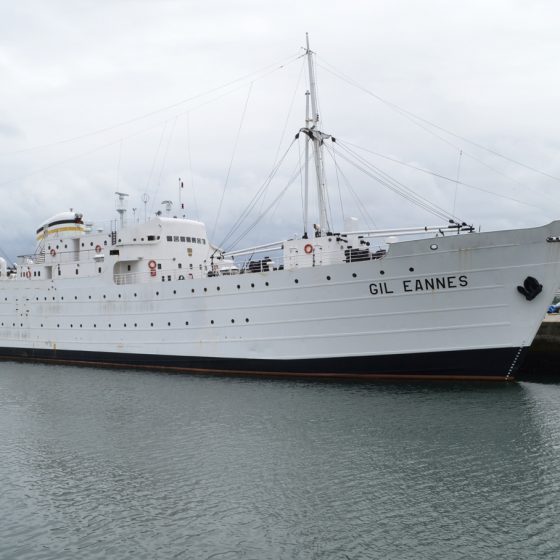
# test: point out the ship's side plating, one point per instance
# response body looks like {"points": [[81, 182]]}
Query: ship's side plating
{"points": [[446, 306]]}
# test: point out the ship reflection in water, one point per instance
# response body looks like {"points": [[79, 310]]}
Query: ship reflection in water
{"points": [[113, 464]]}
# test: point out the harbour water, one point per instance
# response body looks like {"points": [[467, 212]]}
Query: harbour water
{"points": [[124, 464]]}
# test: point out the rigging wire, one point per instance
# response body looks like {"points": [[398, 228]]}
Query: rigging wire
{"points": [[189, 162], [154, 162], [416, 119], [440, 176], [392, 184], [236, 143], [289, 114], [252, 76], [256, 197], [164, 158], [362, 208], [457, 181], [292, 180]]}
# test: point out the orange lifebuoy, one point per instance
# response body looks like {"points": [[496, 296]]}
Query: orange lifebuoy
{"points": [[152, 265], [28, 274], [98, 249], [308, 249], [53, 253]]}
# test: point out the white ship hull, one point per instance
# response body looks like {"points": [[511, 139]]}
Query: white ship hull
{"points": [[453, 311]]}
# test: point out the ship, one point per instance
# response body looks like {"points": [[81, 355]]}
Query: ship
{"points": [[436, 302]]}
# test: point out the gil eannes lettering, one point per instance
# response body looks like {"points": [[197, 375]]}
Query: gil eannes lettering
{"points": [[432, 284]]}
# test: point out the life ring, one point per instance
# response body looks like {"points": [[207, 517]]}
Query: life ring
{"points": [[153, 272], [98, 249], [152, 265], [28, 274], [53, 253], [308, 249], [181, 277]]}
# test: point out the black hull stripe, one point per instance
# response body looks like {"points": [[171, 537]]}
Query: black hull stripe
{"points": [[487, 364]]}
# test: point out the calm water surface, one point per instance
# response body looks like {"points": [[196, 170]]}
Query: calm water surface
{"points": [[113, 464]]}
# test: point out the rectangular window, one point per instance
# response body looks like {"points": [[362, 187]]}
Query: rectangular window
{"points": [[77, 272], [189, 252], [179, 265], [99, 270], [188, 239], [182, 238], [204, 241], [114, 252], [128, 268], [169, 238], [159, 266], [198, 240], [176, 238], [151, 237]]}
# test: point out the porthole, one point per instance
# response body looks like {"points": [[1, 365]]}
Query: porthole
{"points": [[238, 287], [104, 296], [192, 291], [266, 283], [411, 269], [296, 281], [119, 296], [186, 323], [381, 272], [212, 322], [354, 275], [233, 320], [157, 293], [328, 277], [217, 288], [252, 285], [174, 291], [168, 324], [246, 320], [205, 289], [151, 324], [433, 247]]}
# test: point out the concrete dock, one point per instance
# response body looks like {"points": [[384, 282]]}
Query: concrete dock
{"points": [[543, 359]]}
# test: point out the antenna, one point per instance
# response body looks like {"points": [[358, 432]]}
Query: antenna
{"points": [[145, 198], [121, 207], [181, 187], [168, 206]]}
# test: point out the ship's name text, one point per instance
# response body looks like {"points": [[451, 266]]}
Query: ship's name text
{"points": [[419, 285]]}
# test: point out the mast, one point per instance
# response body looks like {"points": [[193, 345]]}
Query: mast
{"points": [[316, 136], [306, 195]]}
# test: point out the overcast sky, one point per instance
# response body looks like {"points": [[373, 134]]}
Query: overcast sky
{"points": [[130, 95]]}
